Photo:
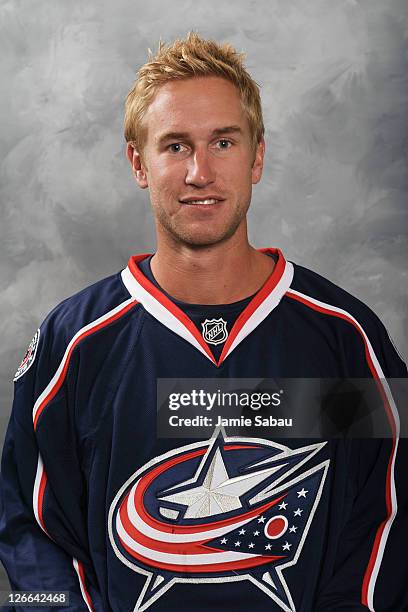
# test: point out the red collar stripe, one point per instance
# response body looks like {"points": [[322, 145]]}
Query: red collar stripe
{"points": [[170, 315], [164, 301], [267, 298]]}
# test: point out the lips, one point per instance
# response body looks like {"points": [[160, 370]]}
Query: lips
{"points": [[207, 200]]}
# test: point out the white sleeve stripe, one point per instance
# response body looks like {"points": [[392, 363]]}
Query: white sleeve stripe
{"points": [[104, 319], [373, 565], [78, 567], [41, 477]]}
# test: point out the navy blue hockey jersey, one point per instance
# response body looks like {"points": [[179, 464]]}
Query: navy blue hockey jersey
{"points": [[94, 502]]}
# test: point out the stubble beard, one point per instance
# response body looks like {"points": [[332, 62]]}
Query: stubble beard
{"points": [[182, 234]]}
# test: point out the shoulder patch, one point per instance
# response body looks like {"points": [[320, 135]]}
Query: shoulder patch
{"points": [[29, 357]]}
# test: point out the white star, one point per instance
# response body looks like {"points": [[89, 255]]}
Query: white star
{"points": [[302, 492], [242, 531], [224, 541], [261, 519], [286, 546], [298, 512], [251, 545], [237, 543], [218, 493], [256, 533], [268, 547], [293, 529], [283, 506]]}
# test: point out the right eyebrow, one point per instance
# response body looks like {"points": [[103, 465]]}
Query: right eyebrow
{"points": [[172, 136]]}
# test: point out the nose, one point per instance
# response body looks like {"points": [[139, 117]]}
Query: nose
{"points": [[199, 170]]}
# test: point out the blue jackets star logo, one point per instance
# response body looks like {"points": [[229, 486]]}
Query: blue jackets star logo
{"points": [[224, 509]]}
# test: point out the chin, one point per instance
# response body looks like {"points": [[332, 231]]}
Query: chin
{"points": [[203, 239], [199, 241]]}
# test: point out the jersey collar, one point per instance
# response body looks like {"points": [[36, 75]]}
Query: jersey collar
{"points": [[170, 315]]}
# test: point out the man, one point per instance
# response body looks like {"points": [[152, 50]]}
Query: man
{"points": [[95, 502]]}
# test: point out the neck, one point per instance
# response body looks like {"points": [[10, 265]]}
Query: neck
{"points": [[215, 274]]}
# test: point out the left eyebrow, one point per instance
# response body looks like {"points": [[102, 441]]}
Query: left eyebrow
{"points": [[229, 129]]}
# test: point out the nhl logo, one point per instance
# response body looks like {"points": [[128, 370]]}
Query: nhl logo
{"points": [[215, 331]]}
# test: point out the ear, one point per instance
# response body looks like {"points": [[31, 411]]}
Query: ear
{"points": [[257, 166], [138, 166]]}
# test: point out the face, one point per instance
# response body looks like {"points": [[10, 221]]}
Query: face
{"points": [[198, 161]]}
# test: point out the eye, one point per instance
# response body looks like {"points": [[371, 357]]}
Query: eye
{"points": [[175, 147], [224, 143]]}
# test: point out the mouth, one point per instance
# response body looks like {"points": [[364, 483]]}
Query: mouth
{"points": [[209, 201]]}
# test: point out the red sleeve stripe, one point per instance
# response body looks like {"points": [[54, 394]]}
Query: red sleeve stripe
{"points": [[377, 553], [38, 494], [57, 380], [39, 488], [46, 396], [79, 568]]}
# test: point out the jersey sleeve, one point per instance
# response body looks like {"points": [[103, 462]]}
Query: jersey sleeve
{"points": [[43, 536], [369, 568]]}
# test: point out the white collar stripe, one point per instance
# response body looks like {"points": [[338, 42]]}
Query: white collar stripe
{"points": [[160, 312], [265, 307], [172, 317]]}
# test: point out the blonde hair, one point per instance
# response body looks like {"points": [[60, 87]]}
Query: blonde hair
{"points": [[183, 59]]}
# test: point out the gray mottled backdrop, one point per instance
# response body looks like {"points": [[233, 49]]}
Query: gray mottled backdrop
{"points": [[335, 94]]}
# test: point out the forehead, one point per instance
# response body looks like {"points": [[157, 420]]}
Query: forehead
{"points": [[198, 104]]}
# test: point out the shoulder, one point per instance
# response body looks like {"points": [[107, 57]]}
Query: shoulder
{"points": [[317, 291], [327, 300], [92, 305], [93, 308]]}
